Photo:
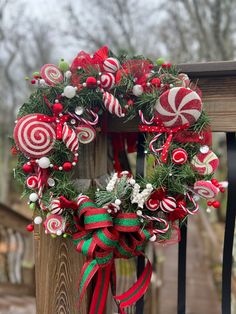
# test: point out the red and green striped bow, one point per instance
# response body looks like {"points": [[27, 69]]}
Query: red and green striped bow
{"points": [[102, 238]]}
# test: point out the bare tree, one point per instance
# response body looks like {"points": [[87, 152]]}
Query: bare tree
{"points": [[120, 24], [199, 30], [23, 52]]}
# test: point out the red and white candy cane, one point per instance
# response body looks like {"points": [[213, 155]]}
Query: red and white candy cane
{"points": [[94, 122], [144, 121], [192, 200], [164, 230], [40, 189], [151, 147]]}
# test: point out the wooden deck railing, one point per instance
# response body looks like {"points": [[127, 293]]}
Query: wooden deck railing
{"points": [[58, 265], [16, 254]]}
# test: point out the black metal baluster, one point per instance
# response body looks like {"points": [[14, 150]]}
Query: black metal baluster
{"points": [[229, 225], [140, 173], [182, 255]]}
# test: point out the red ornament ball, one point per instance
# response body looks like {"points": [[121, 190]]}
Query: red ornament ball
{"points": [[156, 82], [91, 82], [27, 168], [33, 82], [215, 182], [67, 166], [30, 227], [130, 102], [14, 151], [216, 204], [57, 108]]}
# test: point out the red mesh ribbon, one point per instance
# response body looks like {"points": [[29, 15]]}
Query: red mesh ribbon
{"points": [[87, 62]]}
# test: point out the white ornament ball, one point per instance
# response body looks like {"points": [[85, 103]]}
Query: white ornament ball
{"points": [[79, 110], [59, 232], [139, 212], [33, 197], [204, 149], [68, 74], [42, 82], [137, 90], [132, 181], [51, 182], [38, 220], [44, 162], [149, 186], [117, 202], [69, 92]]}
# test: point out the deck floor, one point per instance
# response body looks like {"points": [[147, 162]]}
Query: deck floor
{"points": [[17, 305]]}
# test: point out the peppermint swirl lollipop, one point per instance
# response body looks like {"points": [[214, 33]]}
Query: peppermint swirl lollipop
{"points": [[34, 137], [55, 224], [179, 156], [32, 182], [86, 133], [178, 106], [152, 204], [205, 189], [51, 74], [107, 80]]}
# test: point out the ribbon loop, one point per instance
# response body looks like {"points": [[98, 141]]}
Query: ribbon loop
{"points": [[102, 239]]}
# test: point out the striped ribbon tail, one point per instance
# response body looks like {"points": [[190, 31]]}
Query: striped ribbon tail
{"points": [[99, 298], [136, 291], [88, 271]]}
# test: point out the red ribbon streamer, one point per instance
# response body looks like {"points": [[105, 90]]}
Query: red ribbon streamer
{"points": [[161, 129]]}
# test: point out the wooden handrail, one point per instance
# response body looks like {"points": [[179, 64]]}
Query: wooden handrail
{"points": [[217, 81], [206, 69], [12, 219]]}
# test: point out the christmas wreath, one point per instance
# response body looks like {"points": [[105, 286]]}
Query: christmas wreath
{"points": [[117, 221]]}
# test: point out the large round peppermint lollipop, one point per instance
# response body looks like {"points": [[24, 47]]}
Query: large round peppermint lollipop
{"points": [[178, 106], [205, 163], [34, 137], [51, 74]]}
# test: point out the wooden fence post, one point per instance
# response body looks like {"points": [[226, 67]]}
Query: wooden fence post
{"points": [[57, 263]]}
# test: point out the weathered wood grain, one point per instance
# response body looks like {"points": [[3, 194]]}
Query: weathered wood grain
{"points": [[58, 266], [57, 263]]}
